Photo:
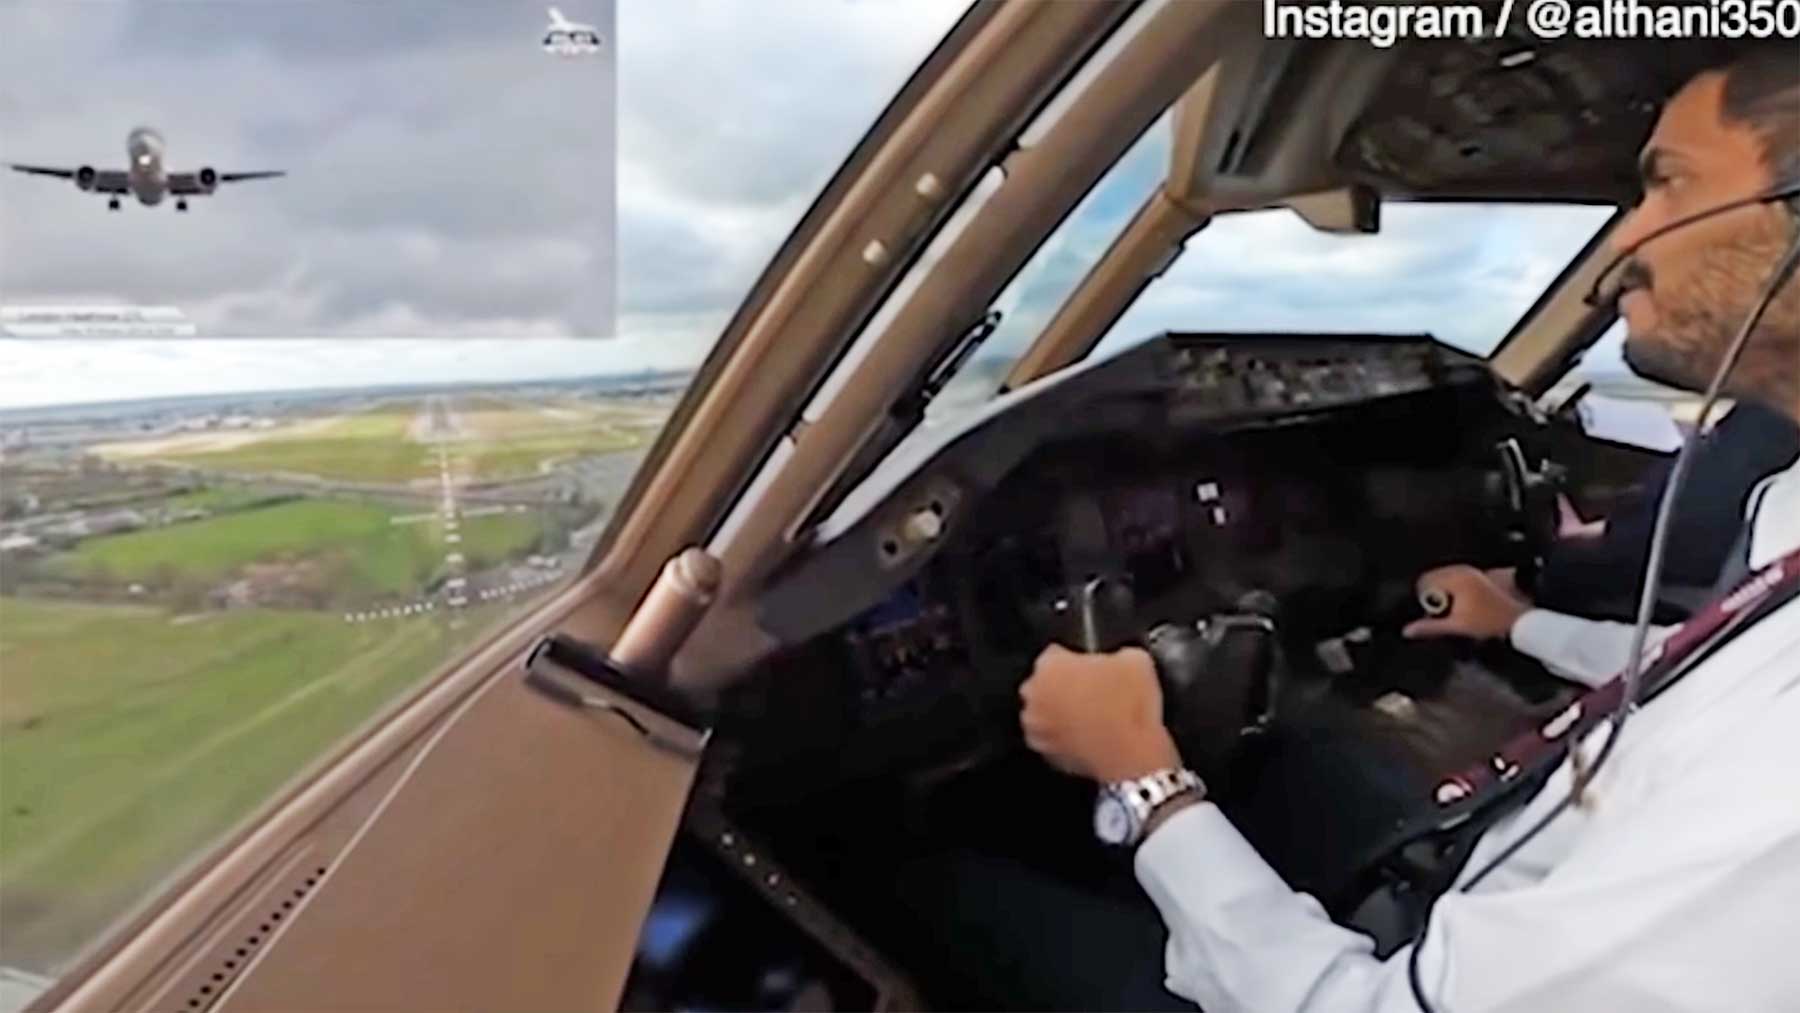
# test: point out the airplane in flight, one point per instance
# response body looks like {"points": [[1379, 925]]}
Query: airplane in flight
{"points": [[563, 32], [146, 179]]}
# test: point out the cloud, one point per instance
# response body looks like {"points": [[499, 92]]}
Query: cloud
{"points": [[1051, 275], [404, 126], [732, 117], [732, 104], [46, 373], [293, 32], [444, 170], [449, 181], [1463, 273]]}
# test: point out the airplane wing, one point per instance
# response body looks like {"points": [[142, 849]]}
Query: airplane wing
{"points": [[187, 184], [42, 170], [105, 181]]}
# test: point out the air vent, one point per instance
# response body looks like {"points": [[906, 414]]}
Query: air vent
{"points": [[238, 951]]}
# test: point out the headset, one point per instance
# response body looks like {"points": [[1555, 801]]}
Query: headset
{"points": [[1606, 288], [1605, 291]]}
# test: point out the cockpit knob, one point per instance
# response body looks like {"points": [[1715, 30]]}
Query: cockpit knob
{"points": [[1435, 602], [922, 525]]}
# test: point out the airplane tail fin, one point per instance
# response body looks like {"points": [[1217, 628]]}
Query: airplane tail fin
{"points": [[556, 17]]}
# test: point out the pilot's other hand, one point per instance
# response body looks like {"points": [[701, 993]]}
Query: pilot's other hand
{"points": [[1097, 715], [1507, 578], [1570, 525], [1480, 606]]}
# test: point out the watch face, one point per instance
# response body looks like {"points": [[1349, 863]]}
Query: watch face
{"points": [[1113, 823]]}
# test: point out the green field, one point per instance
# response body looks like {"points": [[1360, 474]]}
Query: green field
{"points": [[218, 499], [355, 545], [128, 741], [131, 736], [521, 455], [492, 418], [499, 440], [511, 440], [370, 446]]}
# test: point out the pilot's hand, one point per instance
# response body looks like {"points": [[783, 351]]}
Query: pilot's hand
{"points": [[1570, 525], [1480, 606], [1097, 715], [1507, 578]]}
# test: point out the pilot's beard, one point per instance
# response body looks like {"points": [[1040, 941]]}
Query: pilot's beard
{"points": [[1700, 314]]}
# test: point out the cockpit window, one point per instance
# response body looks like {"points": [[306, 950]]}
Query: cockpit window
{"points": [[221, 555], [1463, 273], [1046, 281]]}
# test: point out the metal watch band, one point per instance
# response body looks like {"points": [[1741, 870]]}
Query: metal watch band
{"points": [[1146, 793]]}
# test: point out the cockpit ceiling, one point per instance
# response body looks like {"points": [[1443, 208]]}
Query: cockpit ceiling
{"points": [[1515, 117]]}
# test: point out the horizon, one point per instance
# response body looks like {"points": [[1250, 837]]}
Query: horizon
{"points": [[16, 401], [10, 411], [47, 373]]}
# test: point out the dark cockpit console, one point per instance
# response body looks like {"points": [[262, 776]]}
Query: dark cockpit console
{"points": [[1254, 509], [1142, 459]]}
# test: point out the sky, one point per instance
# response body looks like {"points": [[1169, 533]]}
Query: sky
{"points": [[446, 175], [1464, 274], [730, 117]]}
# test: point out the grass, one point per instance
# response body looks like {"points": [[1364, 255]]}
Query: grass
{"points": [[356, 545], [521, 456], [490, 418], [216, 499], [346, 458], [502, 439], [512, 439], [373, 445], [128, 743]]}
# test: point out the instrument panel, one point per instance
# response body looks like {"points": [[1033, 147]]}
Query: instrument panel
{"points": [[896, 647], [1222, 378], [1325, 471]]}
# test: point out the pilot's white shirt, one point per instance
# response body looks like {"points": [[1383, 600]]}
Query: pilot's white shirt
{"points": [[1591, 651], [1675, 886], [1588, 651]]}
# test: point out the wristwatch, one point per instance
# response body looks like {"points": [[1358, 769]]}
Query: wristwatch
{"points": [[1124, 808]]}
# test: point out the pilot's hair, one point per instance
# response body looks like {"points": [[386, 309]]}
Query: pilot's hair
{"points": [[1762, 92]]}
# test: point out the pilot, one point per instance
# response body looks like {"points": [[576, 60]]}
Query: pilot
{"points": [[1673, 882], [1591, 574], [1579, 574]]}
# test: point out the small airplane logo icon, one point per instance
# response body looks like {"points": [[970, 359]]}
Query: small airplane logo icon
{"points": [[569, 38]]}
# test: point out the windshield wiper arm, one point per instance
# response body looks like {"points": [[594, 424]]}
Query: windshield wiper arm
{"points": [[905, 415], [959, 354]]}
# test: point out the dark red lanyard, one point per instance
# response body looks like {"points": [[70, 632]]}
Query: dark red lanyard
{"points": [[1663, 663]]}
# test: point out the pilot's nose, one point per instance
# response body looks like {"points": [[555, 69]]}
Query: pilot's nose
{"points": [[1637, 223]]}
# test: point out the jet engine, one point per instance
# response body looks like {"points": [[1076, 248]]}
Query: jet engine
{"points": [[84, 177], [208, 178]]}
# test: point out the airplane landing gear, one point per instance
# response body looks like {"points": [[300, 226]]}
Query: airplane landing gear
{"points": [[112, 204], [181, 205]]}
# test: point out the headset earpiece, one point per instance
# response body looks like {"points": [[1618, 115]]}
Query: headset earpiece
{"points": [[1790, 192]]}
